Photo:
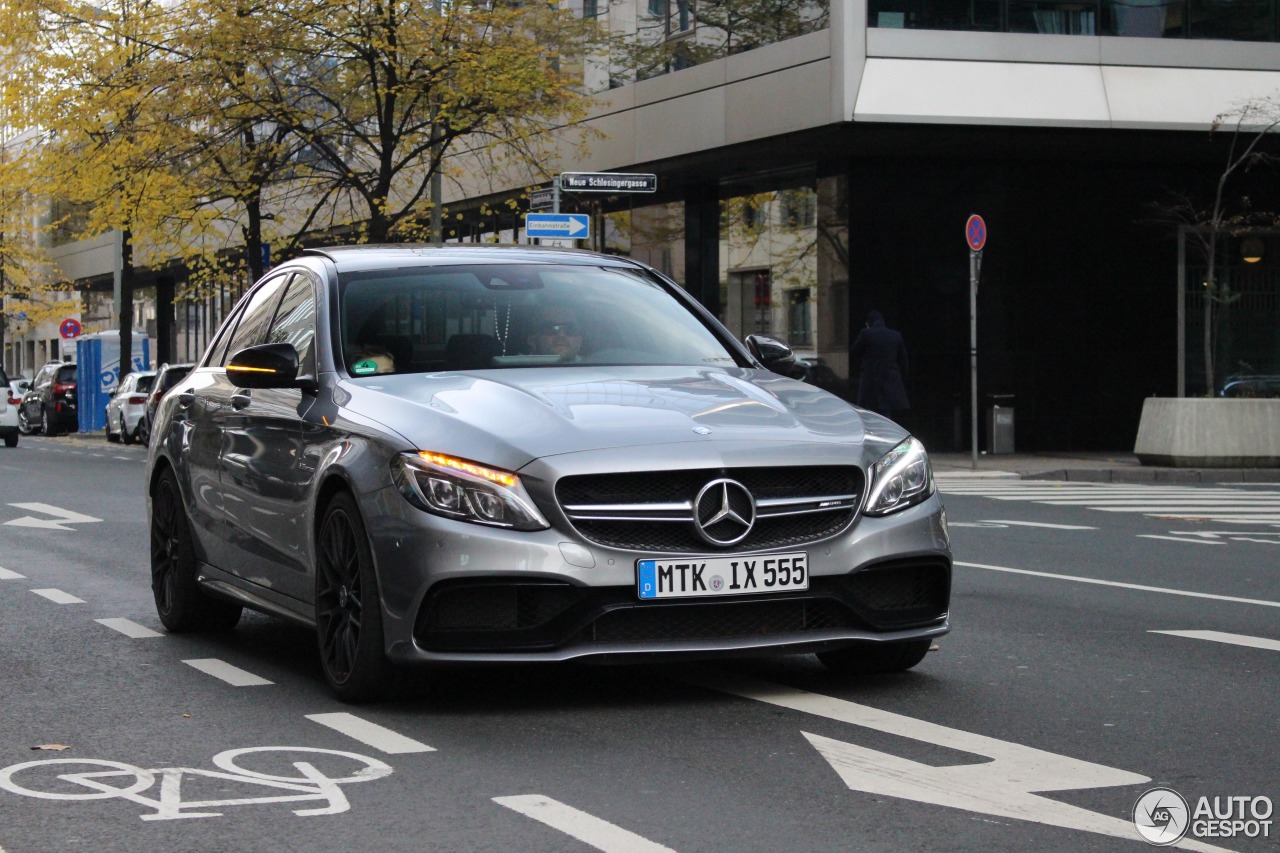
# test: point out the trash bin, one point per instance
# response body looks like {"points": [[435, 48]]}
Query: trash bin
{"points": [[999, 423]]}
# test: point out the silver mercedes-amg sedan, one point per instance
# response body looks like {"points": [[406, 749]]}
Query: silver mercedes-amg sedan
{"points": [[479, 454]]}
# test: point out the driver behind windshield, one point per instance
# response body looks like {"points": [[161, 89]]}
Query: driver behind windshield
{"points": [[557, 330]]}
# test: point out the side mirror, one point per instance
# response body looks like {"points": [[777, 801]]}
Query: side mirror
{"points": [[772, 353], [264, 366]]}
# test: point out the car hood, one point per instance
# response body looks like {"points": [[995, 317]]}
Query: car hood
{"points": [[510, 417]]}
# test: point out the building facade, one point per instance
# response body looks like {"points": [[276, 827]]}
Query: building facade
{"points": [[817, 160]]}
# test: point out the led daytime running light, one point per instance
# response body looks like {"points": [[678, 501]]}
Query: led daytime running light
{"points": [[502, 478]]}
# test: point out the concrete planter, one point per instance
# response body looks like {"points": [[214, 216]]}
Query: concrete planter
{"points": [[1204, 432]]}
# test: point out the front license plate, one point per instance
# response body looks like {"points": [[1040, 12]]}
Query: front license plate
{"points": [[701, 577]]}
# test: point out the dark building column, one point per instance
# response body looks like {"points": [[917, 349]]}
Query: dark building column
{"points": [[164, 321], [702, 245]]}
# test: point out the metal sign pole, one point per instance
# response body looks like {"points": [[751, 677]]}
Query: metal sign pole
{"points": [[973, 353], [975, 234]]}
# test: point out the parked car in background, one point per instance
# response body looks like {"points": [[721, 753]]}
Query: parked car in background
{"points": [[166, 377], [127, 405], [9, 404], [571, 460], [50, 406], [1251, 385]]}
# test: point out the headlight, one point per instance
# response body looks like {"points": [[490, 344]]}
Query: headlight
{"points": [[456, 488], [901, 478]]}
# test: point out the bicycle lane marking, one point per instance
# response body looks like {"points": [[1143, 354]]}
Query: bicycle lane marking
{"points": [[309, 785]]}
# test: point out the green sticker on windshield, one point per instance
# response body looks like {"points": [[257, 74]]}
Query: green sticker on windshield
{"points": [[365, 367]]}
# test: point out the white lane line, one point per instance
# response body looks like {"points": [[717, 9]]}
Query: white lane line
{"points": [[1231, 639], [128, 628], [6, 575], [233, 675], [1139, 587], [1196, 540], [1041, 524], [588, 829], [370, 734], [57, 596]]}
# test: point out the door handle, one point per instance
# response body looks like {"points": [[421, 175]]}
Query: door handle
{"points": [[240, 401], [186, 398]]}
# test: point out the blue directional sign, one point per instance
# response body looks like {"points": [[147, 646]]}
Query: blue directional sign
{"points": [[574, 225]]}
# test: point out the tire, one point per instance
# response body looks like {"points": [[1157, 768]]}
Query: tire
{"points": [[180, 603], [11, 439], [111, 436], [24, 426], [126, 436], [874, 658], [144, 431], [46, 425], [348, 608]]}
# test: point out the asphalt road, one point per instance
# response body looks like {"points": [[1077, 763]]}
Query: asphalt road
{"points": [[1061, 696]]}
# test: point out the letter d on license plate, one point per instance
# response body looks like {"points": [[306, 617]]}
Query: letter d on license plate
{"points": [[700, 577]]}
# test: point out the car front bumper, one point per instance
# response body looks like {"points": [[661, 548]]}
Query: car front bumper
{"points": [[459, 592]]}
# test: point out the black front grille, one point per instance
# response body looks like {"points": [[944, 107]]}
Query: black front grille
{"points": [[512, 614], [578, 494], [717, 620]]}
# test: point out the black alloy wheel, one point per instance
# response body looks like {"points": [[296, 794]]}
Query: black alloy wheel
{"points": [[144, 430], [180, 603], [873, 658], [348, 608]]}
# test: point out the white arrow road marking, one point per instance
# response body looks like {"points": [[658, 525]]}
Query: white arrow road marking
{"points": [[6, 575], [1221, 637], [63, 516], [233, 675], [371, 734], [1003, 786], [57, 596], [588, 829], [128, 628]]}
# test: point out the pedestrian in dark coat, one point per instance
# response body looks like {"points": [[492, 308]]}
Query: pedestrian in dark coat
{"points": [[882, 382]]}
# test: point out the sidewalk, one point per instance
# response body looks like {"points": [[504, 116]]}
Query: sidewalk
{"points": [[1099, 467]]}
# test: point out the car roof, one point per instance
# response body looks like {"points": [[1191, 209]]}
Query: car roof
{"points": [[391, 256]]}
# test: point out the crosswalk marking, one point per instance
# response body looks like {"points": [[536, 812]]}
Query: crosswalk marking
{"points": [[8, 575], [1232, 505]]}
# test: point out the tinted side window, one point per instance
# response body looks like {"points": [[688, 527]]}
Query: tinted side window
{"points": [[66, 373], [295, 322], [256, 317]]}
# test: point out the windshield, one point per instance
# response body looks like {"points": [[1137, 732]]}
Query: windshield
{"points": [[509, 315]]}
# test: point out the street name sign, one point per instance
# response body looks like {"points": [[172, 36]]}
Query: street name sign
{"points": [[575, 225], [608, 182], [542, 199]]}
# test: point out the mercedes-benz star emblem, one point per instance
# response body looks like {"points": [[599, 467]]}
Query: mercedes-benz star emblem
{"points": [[724, 512]]}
